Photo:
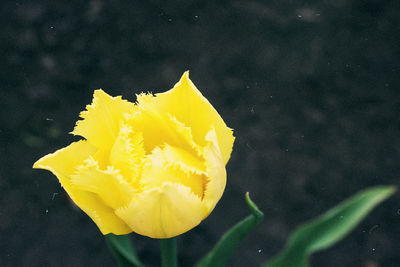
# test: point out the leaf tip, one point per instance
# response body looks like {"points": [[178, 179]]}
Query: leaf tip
{"points": [[253, 207], [386, 191], [392, 189]]}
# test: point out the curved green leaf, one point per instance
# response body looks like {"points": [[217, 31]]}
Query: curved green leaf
{"points": [[222, 251], [329, 228], [122, 249]]}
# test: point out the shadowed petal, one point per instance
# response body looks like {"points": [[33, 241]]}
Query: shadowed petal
{"points": [[127, 154], [216, 172]]}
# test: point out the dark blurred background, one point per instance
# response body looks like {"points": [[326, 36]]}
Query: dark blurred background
{"points": [[311, 89]]}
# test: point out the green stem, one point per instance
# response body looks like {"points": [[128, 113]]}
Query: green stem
{"points": [[168, 252]]}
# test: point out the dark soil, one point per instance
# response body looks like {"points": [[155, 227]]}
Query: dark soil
{"points": [[311, 89]]}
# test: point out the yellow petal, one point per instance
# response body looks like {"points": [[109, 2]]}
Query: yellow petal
{"points": [[102, 215], [182, 159], [127, 154], [160, 127], [163, 212], [189, 106], [108, 184], [63, 163], [102, 119], [161, 167], [216, 172]]}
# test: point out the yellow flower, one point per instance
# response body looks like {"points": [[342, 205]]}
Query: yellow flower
{"points": [[156, 167]]}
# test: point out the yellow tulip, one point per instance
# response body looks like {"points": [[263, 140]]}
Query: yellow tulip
{"points": [[155, 167]]}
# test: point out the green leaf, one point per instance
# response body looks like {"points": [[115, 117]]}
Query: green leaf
{"points": [[222, 251], [329, 228], [122, 249]]}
